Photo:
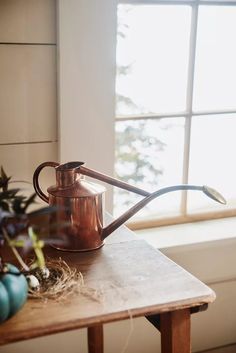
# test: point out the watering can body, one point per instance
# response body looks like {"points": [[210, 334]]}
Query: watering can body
{"points": [[79, 209], [79, 215], [79, 203]]}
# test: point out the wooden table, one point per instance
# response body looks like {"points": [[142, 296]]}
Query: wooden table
{"points": [[133, 279]]}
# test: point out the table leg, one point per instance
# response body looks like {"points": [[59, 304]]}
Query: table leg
{"points": [[95, 339], [175, 331]]}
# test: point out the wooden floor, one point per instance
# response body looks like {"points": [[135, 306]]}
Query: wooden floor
{"points": [[226, 349]]}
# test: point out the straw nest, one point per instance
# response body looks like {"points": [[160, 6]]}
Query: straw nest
{"points": [[62, 282]]}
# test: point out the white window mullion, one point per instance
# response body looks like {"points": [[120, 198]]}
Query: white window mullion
{"points": [[180, 2], [213, 112], [217, 2], [158, 2], [150, 116], [189, 101]]}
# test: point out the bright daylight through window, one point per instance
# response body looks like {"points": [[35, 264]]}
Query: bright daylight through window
{"points": [[176, 104]]}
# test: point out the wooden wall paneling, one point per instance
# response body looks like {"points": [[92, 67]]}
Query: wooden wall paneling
{"points": [[28, 21], [20, 161], [28, 93]]}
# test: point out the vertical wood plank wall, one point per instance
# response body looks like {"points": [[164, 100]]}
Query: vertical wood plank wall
{"points": [[28, 93]]}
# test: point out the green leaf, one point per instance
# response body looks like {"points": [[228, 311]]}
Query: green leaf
{"points": [[37, 247], [4, 179], [8, 194], [4, 205], [29, 201], [17, 243]]}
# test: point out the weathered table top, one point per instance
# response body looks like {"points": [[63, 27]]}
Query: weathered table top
{"points": [[131, 278]]}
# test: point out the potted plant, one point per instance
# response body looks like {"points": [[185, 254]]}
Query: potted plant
{"points": [[16, 231]]}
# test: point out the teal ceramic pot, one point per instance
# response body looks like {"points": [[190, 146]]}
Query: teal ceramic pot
{"points": [[13, 292]]}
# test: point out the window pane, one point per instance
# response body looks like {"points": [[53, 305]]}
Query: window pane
{"points": [[212, 160], [152, 58], [149, 154], [215, 69]]}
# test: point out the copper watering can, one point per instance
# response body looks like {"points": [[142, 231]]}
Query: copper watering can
{"points": [[80, 203]]}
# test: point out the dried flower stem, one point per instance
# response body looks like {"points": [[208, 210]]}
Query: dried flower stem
{"points": [[14, 250]]}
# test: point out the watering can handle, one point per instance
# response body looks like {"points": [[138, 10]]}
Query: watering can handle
{"points": [[38, 190]]}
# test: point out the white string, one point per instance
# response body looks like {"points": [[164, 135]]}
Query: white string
{"points": [[131, 329]]}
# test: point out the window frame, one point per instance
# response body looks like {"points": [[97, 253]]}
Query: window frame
{"points": [[189, 114]]}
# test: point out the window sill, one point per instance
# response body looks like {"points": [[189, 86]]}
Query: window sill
{"points": [[189, 233], [206, 248]]}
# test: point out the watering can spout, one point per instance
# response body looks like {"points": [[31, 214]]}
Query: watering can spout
{"points": [[210, 192]]}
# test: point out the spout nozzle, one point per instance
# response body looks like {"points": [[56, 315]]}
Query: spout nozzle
{"points": [[213, 194]]}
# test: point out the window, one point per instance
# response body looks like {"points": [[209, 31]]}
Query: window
{"points": [[176, 105]]}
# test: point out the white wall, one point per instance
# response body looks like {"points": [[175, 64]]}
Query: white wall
{"points": [[86, 45]]}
